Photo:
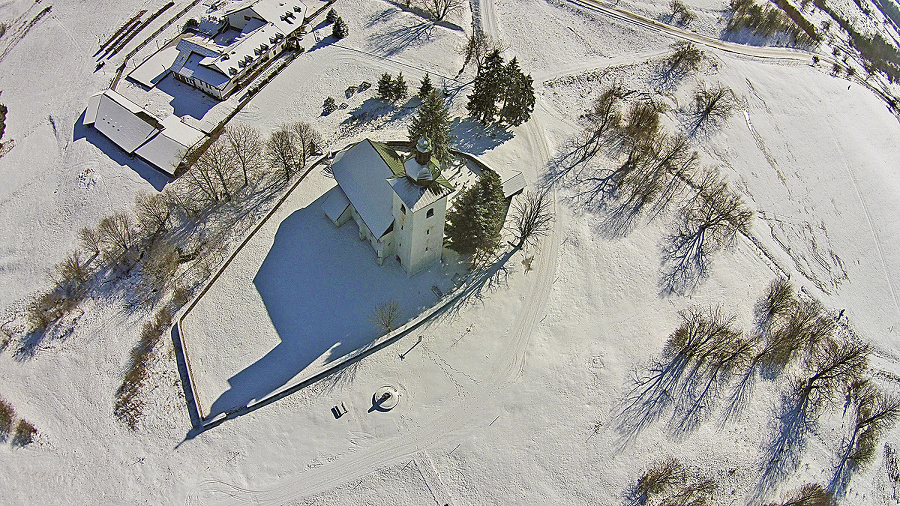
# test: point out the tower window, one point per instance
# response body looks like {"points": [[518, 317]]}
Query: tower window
{"points": [[402, 209], [430, 213]]}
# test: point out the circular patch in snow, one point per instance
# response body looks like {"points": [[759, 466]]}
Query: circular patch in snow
{"points": [[386, 398]]}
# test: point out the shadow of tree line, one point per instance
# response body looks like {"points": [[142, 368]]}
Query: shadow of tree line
{"points": [[709, 366], [624, 166]]}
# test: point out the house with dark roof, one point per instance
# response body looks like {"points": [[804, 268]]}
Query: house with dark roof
{"points": [[399, 203]]}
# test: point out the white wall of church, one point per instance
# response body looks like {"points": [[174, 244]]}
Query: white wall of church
{"points": [[419, 237]]}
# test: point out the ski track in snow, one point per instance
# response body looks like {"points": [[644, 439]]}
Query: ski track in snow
{"points": [[836, 141]]}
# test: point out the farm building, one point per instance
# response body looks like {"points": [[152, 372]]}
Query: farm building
{"points": [[161, 143], [234, 41]]}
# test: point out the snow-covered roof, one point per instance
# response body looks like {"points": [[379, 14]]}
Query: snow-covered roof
{"points": [[335, 204], [181, 132], [90, 114], [416, 197], [363, 175], [136, 131], [122, 121], [286, 15], [167, 148], [154, 68], [513, 185], [248, 46], [162, 152]]}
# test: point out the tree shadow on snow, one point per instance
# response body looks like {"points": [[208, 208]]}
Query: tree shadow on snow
{"points": [[474, 138], [320, 286], [410, 34], [781, 455], [481, 281], [374, 110]]}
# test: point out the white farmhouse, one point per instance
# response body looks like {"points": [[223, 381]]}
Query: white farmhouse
{"points": [[234, 41], [398, 203], [161, 143]]}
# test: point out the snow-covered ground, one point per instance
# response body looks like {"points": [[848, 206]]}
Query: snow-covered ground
{"points": [[306, 307], [512, 397]]}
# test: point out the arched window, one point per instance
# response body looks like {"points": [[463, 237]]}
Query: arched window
{"points": [[430, 213]]}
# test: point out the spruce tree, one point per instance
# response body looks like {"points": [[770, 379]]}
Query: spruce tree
{"points": [[399, 87], [426, 87], [489, 85], [339, 29], [474, 223], [386, 87], [518, 98], [432, 120]]}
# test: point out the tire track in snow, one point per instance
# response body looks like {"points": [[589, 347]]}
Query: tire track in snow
{"points": [[869, 221]]}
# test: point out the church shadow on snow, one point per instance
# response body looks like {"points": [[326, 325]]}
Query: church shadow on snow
{"points": [[320, 286]]}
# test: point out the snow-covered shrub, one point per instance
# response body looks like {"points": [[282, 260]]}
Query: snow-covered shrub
{"points": [[25, 433], [329, 106], [7, 416]]}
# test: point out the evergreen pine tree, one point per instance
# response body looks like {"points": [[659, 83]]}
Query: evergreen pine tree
{"points": [[386, 87], [399, 87], [474, 223], [518, 97], [339, 29], [489, 84], [331, 17], [432, 121], [426, 87]]}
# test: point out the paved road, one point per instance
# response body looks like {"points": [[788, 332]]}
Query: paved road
{"points": [[778, 53]]}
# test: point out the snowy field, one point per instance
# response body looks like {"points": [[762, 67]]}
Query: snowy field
{"points": [[515, 395], [287, 306]]}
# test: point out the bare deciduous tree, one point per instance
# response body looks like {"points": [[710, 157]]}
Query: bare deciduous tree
{"points": [[711, 106], [476, 48], [532, 217], [602, 119], [117, 233], [386, 315], [309, 141], [246, 147], [680, 13], [641, 123], [219, 169], [708, 223], [90, 240], [282, 151], [440, 9], [777, 302], [802, 329], [700, 357], [157, 268], [835, 364], [660, 478], [72, 269], [874, 413], [685, 58], [811, 494], [659, 175], [153, 212]]}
